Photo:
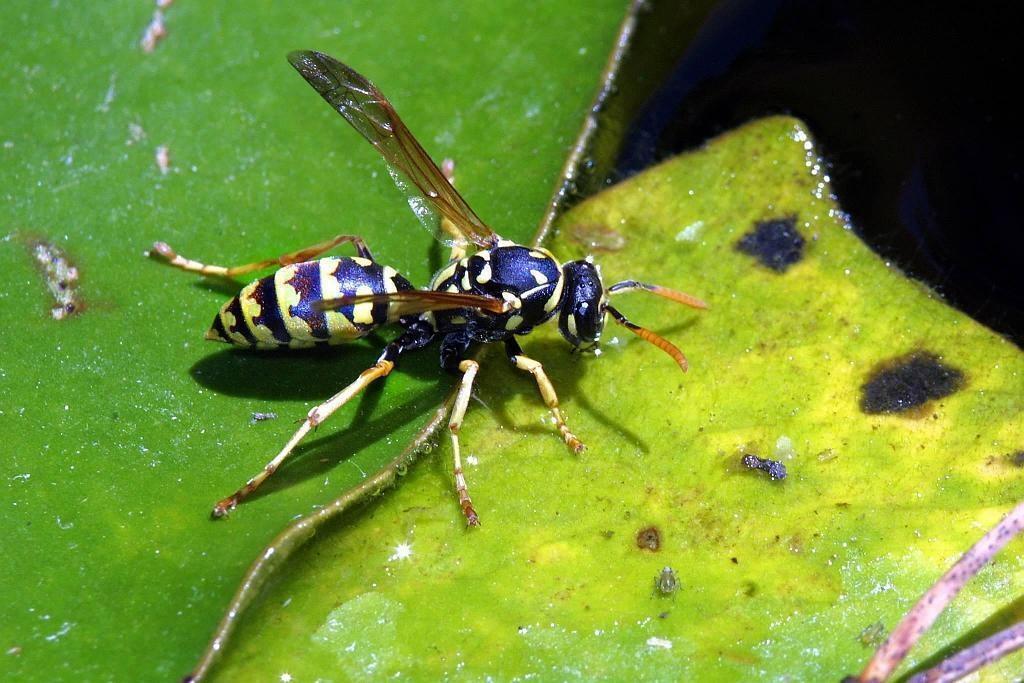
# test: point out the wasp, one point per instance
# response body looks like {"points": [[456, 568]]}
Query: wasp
{"points": [[491, 290]]}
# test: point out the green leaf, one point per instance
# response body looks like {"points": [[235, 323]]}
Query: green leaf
{"points": [[788, 579], [122, 425]]}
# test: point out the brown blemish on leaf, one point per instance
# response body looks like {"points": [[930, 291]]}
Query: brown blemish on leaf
{"points": [[899, 385], [796, 544], [649, 538]]}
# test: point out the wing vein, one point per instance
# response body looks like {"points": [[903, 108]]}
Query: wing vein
{"points": [[369, 112]]}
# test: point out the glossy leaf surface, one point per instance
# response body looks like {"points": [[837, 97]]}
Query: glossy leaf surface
{"points": [[793, 579], [121, 426]]}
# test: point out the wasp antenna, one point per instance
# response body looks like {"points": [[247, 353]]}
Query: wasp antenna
{"points": [[678, 297], [648, 336]]}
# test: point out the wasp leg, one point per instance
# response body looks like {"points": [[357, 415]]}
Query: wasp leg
{"points": [[417, 335], [459, 243], [315, 417], [547, 391], [469, 369], [164, 251]]}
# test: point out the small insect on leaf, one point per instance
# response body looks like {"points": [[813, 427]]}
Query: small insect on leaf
{"points": [[666, 582], [773, 468]]}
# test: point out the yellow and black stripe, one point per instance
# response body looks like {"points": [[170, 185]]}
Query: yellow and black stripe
{"points": [[279, 311]]}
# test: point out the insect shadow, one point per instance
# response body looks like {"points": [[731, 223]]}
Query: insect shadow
{"points": [[313, 375], [306, 374], [565, 369], [366, 427], [225, 286]]}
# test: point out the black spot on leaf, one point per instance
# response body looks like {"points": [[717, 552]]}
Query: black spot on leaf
{"points": [[776, 243], [908, 382]]}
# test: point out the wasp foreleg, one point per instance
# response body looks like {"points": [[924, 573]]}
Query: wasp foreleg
{"points": [[547, 390], [469, 369], [164, 251]]}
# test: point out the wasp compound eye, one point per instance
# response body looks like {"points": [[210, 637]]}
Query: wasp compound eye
{"points": [[582, 316]]}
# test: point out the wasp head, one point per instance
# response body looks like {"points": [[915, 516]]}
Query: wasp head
{"points": [[585, 305], [581, 318]]}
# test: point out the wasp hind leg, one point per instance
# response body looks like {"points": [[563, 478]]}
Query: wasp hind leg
{"points": [[416, 336], [163, 251], [315, 417], [547, 391]]}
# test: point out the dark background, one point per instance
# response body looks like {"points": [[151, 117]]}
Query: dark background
{"points": [[913, 108]]}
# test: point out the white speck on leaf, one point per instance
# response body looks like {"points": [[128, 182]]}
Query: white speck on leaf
{"points": [[663, 643], [163, 159], [403, 551], [691, 232], [61, 632], [784, 447], [154, 33]]}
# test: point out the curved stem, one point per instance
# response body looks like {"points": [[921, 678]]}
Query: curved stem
{"points": [[974, 657], [565, 189], [296, 534], [921, 616]]}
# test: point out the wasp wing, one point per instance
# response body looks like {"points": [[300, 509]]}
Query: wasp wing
{"points": [[369, 112], [415, 301]]}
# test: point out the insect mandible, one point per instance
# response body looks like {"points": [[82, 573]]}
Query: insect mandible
{"points": [[500, 291]]}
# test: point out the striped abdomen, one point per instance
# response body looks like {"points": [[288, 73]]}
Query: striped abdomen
{"points": [[277, 311]]}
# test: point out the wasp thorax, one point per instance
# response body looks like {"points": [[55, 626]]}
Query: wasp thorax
{"points": [[581, 318]]}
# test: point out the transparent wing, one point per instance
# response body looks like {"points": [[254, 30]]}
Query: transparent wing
{"points": [[417, 301], [369, 112]]}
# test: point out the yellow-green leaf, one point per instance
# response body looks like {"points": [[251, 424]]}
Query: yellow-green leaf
{"points": [[796, 578]]}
